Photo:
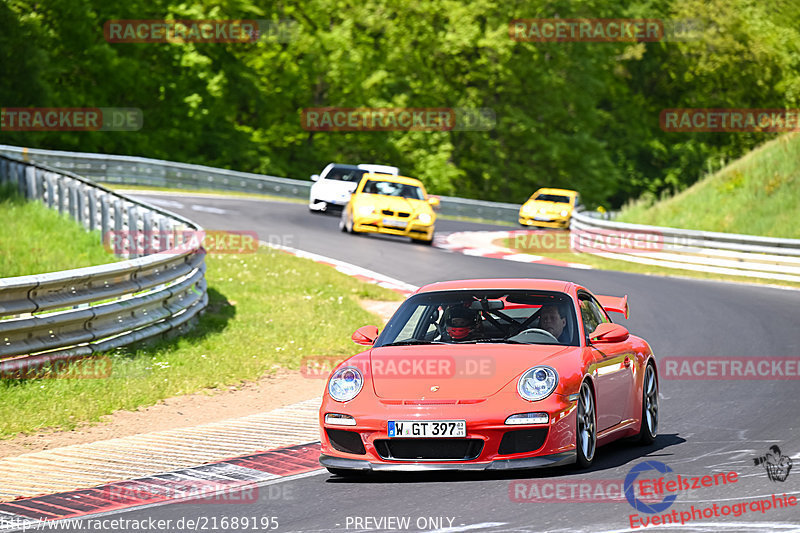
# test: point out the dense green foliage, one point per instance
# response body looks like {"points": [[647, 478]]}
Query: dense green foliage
{"points": [[573, 114]]}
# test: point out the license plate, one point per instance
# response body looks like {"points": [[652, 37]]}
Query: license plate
{"points": [[542, 219], [422, 429], [394, 223]]}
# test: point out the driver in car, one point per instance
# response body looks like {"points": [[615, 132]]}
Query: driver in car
{"points": [[552, 320], [461, 325]]}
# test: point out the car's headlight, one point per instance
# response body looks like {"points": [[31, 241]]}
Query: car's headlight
{"points": [[425, 218], [365, 210], [564, 213], [537, 383], [542, 210], [527, 208], [345, 384]]}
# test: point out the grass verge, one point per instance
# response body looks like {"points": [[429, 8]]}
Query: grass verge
{"points": [[758, 194], [267, 310], [35, 239]]}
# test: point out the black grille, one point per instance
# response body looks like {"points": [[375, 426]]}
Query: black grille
{"points": [[346, 441], [388, 212], [403, 215], [429, 449], [522, 440]]}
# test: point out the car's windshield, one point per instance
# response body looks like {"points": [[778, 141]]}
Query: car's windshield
{"points": [[391, 188], [552, 198], [345, 174], [483, 316]]}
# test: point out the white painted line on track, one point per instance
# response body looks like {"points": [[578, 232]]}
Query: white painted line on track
{"points": [[347, 268], [212, 210], [165, 203]]}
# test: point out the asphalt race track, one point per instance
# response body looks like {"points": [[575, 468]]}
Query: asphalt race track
{"points": [[706, 426]]}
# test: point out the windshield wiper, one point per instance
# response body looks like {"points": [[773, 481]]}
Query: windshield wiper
{"points": [[411, 342]]}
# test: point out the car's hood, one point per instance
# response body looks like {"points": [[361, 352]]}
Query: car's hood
{"points": [[460, 371], [394, 203]]}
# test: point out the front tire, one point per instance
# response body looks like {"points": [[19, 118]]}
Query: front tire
{"points": [[586, 427], [649, 428], [343, 223]]}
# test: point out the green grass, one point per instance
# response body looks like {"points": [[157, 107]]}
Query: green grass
{"points": [[267, 310], [758, 194], [35, 239], [602, 263]]}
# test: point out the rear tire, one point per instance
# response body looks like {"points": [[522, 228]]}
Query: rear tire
{"points": [[586, 428], [649, 428], [343, 224]]}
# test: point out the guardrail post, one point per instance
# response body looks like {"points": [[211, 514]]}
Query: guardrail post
{"points": [[30, 182], [148, 233], [163, 234], [92, 209], [73, 201], [133, 230], [51, 192], [62, 198], [105, 216], [3, 170], [20, 174], [82, 207]]}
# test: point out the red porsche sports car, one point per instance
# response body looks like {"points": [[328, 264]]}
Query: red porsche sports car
{"points": [[490, 374]]}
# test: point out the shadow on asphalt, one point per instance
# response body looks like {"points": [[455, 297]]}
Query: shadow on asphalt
{"points": [[616, 454]]}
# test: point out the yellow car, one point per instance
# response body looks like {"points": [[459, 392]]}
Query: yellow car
{"points": [[549, 208], [394, 205]]}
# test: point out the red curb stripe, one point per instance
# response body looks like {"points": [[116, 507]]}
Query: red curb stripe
{"points": [[115, 496]]}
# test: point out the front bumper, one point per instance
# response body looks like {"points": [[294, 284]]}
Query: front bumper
{"points": [[522, 463], [413, 229], [489, 443], [554, 222]]}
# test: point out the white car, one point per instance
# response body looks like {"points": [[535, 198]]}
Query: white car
{"points": [[333, 187]]}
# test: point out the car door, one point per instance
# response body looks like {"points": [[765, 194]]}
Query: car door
{"points": [[612, 368]]}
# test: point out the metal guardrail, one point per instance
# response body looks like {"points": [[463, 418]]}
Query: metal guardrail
{"points": [[722, 253], [75, 313], [158, 173], [719, 253]]}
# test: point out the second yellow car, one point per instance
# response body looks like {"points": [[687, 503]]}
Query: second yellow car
{"points": [[394, 205], [549, 208]]}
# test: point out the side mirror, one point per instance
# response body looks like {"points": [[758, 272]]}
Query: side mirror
{"points": [[608, 332], [315, 177], [365, 335], [435, 201]]}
